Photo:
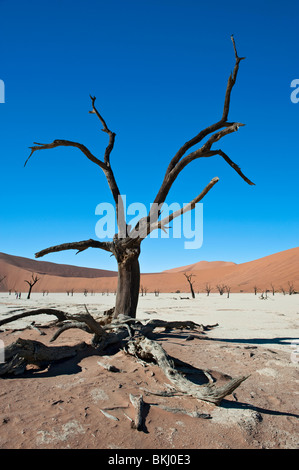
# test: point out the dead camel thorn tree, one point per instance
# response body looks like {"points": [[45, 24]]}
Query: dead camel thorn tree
{"points": [[208, 289], [126, 243], [34, 279], [189, 279], [220, 288], [118, 327]]}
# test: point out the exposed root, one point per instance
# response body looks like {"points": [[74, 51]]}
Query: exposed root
{"points": [[23, 352], [151, 351], [120, 332], [61, 316]]}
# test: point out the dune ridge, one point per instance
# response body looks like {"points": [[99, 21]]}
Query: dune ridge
{"points": [[278, 270]]}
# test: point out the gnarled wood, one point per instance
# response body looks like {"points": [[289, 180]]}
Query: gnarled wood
{"points": [[123, 328], [138, 403], [61, 316], [151, 351], [23, 352]]}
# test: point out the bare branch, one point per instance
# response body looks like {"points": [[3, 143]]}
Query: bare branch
{"points": [[231, 81], [112, 135], [234, 166], [176, 165], [109, 173], [216, 126], [66, 143], [34, 279], [188, 207], [61, 316], [104, 165], [80, 246]]}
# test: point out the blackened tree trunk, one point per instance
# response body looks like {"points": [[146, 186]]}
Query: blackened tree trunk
{"points": [[34, 279], [29, 292], [128, 285], [189, 277]]}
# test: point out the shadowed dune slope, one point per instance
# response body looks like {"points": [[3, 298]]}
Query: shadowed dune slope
{"points": [[278, 269]]}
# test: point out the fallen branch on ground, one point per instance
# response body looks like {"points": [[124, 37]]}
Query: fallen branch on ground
{"points": [[123, 332], [151, 351]]}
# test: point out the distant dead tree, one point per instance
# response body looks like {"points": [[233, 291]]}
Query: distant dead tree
{"points": [[264, 294], [291, 288], [220, 288], [143, 290], [2, 279], [255, 288], [208, 289], [157, 292], [283, 290], [34, 279], [227, 289], [273, 289], [189, 279]]}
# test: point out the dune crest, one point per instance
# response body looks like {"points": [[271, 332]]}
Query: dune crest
{"points": [[278, 270]]}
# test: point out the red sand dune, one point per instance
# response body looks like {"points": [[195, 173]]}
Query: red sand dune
{"points": [[200, 265], [277, 269]]}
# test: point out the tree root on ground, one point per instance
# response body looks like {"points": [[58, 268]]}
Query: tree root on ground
{"points": [[126, 333]]}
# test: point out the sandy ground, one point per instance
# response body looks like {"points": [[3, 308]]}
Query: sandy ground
{"points": [[60, 406]]}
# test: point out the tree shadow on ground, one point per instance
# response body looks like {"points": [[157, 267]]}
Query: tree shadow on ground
{"points": [[283, 341], [66, 366], [237, 405]]}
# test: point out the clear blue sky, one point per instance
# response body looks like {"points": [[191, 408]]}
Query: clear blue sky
{"points": [[159, 70]]}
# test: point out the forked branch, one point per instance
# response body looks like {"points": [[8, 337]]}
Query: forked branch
{"points": [[66, 143], [111, 134], [218, 130], [151, 351]]}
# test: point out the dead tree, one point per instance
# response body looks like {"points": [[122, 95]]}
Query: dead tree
{"points": [[34, 279], [273, 289], [227, 290], [127, 241], [118, 328], [189, 279], [208, 289], [291, 288], [255, 289], [143, 290], [220, 288]]}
